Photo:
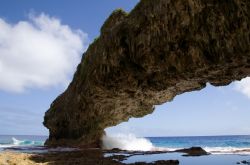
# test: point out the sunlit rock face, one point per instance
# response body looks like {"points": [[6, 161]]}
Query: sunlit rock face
{"points": [[162, 48]]}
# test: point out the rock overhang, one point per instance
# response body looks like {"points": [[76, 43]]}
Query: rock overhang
{"points": [[161, 49]]}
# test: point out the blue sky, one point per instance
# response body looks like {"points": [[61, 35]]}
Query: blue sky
{"points": [[40, 45]]}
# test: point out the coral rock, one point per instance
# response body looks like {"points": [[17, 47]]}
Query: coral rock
{"points": [[161, 49]]}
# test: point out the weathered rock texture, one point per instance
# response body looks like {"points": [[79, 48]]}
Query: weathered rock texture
{"points": [[193, 151], [161, 49]]}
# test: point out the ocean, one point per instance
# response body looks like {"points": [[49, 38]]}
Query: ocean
{"points": [[224, 150], [213, 144], [239, 144], [26, 143]]}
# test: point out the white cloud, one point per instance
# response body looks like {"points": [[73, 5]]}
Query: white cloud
{"points": [[38, 53], [243, 86]]}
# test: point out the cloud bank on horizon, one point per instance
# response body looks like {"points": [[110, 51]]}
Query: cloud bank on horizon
{"points": [[243, 86], [38, 53]]}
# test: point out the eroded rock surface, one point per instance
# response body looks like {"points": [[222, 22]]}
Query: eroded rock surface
{"points": [[193, 151], [162, 48]]}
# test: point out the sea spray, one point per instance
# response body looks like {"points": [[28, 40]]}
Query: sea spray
{"points": [[126, 142], [8, 142], [15, 141], [28, 144], [227, 150]]}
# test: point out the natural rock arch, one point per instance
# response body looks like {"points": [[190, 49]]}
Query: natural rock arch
{"points": [[161, 49]]}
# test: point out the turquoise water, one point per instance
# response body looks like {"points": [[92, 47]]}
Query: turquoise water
{"points": [[202, 141], [28, 144], [213, 144], [21, 142], [225, 149]]}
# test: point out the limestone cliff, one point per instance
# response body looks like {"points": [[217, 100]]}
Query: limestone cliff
{"points": [[162, 48]]}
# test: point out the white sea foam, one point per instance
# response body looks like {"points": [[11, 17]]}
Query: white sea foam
{"points": [[227, 150], [33, 146], [6, 145], [132, 143], [16, 142], [126, 142]]}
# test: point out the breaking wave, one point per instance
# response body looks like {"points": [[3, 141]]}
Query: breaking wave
{"points": [[16, 143], [126, 142], [227, 150], [33, 146], [130, 142]]}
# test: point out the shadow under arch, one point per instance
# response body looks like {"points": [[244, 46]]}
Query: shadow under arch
{"points": [[211, 111]]}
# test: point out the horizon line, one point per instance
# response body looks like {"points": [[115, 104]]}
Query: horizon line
{"points": [[145, 136], [198, 135]]}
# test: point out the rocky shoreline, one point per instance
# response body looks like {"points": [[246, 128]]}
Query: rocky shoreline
{"points": [[88, 157], [97, 156], [82, 157]]}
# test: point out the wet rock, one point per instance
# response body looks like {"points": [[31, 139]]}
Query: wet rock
{"points": [[245, 162], [160, 162], [119, 157], [193, 151], [161, 49], [167, 162], [115, 150]]}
